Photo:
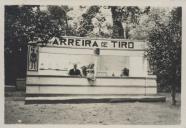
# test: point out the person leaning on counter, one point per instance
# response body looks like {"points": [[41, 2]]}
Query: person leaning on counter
{"points": [[74, 71]]}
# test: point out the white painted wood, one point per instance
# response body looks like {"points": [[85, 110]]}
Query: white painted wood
{"points": [[150, 82], [53, 50], [32, 73], [52, 58], [136, 66], [84, 81], [151, 90], [91, 97], [60, 64], [121, 53], [87, 90]]}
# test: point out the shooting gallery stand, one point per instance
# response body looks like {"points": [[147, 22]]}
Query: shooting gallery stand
{"points": [[48, 80]]}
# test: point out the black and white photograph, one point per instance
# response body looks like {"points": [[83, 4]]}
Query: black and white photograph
{"points": [[92, 64]]}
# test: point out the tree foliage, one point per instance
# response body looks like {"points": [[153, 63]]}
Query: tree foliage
{"points": [[127, 15], [86, 25], [23, 24], [148, 22], [19, 24], [58, 14], [165, 51]]}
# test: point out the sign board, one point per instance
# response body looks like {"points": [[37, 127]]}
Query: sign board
{"points": [[78, 42], [33, 58]]}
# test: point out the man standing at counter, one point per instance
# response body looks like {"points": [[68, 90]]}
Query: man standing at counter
{"points": [[74, 71]]}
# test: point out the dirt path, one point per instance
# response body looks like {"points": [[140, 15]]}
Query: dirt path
{"points": [[93, 113]]}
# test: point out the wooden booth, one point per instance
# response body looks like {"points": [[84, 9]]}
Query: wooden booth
{"points": [[107, 67]]}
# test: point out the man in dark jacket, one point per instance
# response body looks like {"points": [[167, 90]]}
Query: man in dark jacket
{"points": [[74, 71]]}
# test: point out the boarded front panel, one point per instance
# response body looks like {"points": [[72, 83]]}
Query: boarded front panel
{"points": [[84, 81], [62, 85], [88, 90]]}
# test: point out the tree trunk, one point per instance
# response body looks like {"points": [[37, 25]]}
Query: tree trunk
{"points": [[118, 30], [173, 94], [66, 21], [173, 85], [126, 32]]}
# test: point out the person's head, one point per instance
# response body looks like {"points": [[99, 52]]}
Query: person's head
{"points": [[75, 66]]}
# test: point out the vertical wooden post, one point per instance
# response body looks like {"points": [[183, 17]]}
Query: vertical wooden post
{"points": [[145, 70], [96, 54]]}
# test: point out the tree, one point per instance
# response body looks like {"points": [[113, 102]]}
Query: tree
{"points": [[60, 17], [125, 15], [86, 25], [165, 52], [18, 24], [102, 23], [148, 22], [23, 24]]}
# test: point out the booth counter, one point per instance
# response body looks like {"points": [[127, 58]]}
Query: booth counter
{"points": [[103, 85]]}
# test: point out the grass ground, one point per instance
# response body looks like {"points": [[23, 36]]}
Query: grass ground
{"points": [[91, 113]]}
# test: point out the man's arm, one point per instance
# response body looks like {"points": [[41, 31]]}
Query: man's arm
{"points": [[79, 73]]}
